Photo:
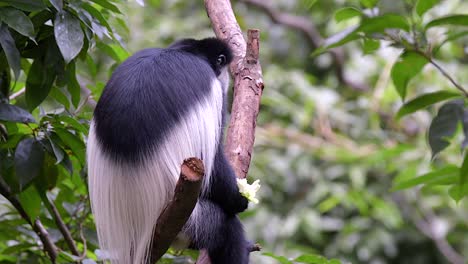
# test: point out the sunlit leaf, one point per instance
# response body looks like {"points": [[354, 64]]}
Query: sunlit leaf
{"points": [[369, 3], [31, 202], [423, 5], [424, 101], [457, 20], [408, 65], [68, 34], [370, 45], [107, 4], [446, 175], [281, 259], [347, 13]]}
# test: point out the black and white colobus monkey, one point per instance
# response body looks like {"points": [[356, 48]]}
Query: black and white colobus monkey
{"points": [[160, 107]]}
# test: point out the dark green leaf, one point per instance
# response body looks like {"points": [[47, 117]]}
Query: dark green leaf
{"points": [[14, 113], [68, 34], [72, 84], [18, 21], [446, 175], [96, 14], [409, 65], [369, 3], [370, 45], [31, 202], [39, 83], [29, 157], [26, 5], [347, 13], [73, 142], [444, 125], [458, 20], [5, 80], [58, 4], [423, 101], [58, 152], [423, 5], [47, 178], [8, 45], [108, 5]]}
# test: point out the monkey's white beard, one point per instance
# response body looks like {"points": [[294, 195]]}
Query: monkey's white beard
{"points": [[127, 199]]}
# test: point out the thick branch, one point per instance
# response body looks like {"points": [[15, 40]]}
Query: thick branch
{"points": [[178, 211], [49, 246], [304, 25]]}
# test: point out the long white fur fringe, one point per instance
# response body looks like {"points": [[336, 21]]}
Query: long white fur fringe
{"points": [[126, 200]]}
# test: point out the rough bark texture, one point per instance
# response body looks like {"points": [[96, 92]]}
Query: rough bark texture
{"points": [[248, 84], [248, 87], [178, 211]]}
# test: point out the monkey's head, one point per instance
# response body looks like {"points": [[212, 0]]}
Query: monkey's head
{"points": [[215, 51]]}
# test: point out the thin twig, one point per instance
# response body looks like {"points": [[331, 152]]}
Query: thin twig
{"points": [[457, 85], [18, 93], [62, 227]]}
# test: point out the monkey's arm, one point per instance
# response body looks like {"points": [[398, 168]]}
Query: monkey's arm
{"points": [[223, 188]]}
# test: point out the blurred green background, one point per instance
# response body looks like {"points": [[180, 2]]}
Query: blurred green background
{"points": [[329, 151]]}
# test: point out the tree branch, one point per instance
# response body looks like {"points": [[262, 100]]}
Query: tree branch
{"points": [[178, 211], [49, 247], [304, 25], [62, 227]]}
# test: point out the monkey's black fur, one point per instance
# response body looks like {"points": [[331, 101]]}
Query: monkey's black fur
{"points": [[143, 100]]}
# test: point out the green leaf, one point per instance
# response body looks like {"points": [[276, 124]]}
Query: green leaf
{"points": [[72, 84], [116, 52], [311, 259], [31, 202], [58, 4], [444, 125], [58, 152], [38, 83], [14, 113], [458, 192], [457, 20], [8, 45], [281, 259], [29, 157], [368, 26], [446, 175], [424, 101], [409, 65], [465, 128], [463, 184], [18, 21], [370, 45], [47, 179], [68, 34], [347, 13], [73, 142], [74, 123], [369, 3], [26, 5], [108, 5], [423, 5], [96, 14]]}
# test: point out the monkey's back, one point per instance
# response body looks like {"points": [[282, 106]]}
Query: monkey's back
{"points": [[146, 96]]}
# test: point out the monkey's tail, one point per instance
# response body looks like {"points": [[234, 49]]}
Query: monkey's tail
{"points": [[126, 201]]}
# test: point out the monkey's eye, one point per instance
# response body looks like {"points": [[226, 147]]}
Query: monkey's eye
{"points": [[221, 60]]}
